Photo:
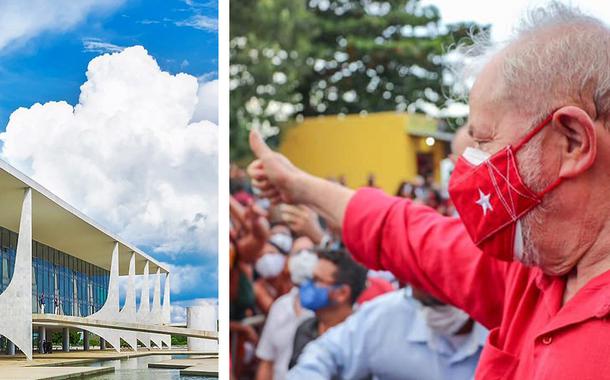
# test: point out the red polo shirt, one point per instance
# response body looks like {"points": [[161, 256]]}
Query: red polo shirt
{"points": [[531, 335]]}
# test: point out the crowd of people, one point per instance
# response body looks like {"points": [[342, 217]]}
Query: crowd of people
{"points": [[301, 306]]}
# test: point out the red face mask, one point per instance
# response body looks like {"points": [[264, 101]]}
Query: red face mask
{"points": [[491, 197]]}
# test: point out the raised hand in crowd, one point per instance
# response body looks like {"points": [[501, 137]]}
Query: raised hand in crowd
{"points": [[280, 181], [303, 221], [250, 230]]}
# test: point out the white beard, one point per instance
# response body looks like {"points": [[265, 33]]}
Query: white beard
{"points": [[531, 173]]}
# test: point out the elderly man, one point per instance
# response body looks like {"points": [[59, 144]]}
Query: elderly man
{"points": [[530, 257]]}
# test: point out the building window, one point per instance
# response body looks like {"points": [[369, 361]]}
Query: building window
{"points": [[61, 283]]}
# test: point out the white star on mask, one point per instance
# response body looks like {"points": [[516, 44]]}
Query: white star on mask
{"points": [[484, 202]]}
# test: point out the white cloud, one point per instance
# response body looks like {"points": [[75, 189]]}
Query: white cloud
{"points": [[504, 15], [186, 278], [206, 77], [148, 22], [207, 103], [178, 309], [178, 314], [21, 20], [127, 154], [96, 45], [204, 4], [200, 22]]}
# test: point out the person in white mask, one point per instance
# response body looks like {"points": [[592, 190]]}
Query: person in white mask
{"points": [[286, 314], [280, 236], [270, 267], [273, 280], [444, 319], [405, 334]]}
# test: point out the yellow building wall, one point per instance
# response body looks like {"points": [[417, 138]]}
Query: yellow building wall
{"points": [[354, 146], [438, 151]]}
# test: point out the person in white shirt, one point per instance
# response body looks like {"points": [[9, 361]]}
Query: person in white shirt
{"points": [[286, 314], [402, 335]]}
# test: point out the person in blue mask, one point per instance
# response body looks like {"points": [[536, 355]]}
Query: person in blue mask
{"points": [[336, 283]]}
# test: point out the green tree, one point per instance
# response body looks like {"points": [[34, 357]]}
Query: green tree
{"points": [[270, 41], [378, 56], [179, 340], [58, 337], [94, 340], [295, 58]]}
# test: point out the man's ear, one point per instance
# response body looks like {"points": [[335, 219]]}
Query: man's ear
{"points": [[578, 140]]}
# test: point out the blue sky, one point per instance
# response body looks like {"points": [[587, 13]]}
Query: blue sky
{"points": [[44, 57]]}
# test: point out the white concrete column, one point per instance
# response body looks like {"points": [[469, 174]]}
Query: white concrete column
{"points": [[166, 301], [144, 310], [155, 313], [102, 343], [128, 313], [112, 301], [166, 311], [202, 317], [110, 310], [16, 325], [10, 348]]}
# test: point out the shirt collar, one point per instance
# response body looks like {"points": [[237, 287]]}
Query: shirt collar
{"points": [[592, 301], [419, 332], [476, 340], [423, 334]]}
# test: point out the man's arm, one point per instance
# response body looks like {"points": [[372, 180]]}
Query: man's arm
{"points": [[263, 299], [265, 370], [423, 248], [281, 181], [414, 242]]}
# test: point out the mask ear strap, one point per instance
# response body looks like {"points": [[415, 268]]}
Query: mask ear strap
{"points": [[528, 137], [551, 186], [534, 131]]}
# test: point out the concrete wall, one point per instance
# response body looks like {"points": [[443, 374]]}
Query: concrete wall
{"points": [[355, 146], [202, 317], [16, 300]]}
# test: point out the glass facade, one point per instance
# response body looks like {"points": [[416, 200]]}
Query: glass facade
{"points": [[61, 284]]}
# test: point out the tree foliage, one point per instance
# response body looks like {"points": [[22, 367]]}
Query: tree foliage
{"points": [[179, 340], [75, 337], [270, 40], [292, 58]]}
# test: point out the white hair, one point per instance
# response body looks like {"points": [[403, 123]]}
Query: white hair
{"points": [[557, 54]]}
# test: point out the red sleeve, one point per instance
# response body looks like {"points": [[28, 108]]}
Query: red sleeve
{"points": [[425, 249]]}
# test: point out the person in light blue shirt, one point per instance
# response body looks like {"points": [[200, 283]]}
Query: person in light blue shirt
{"points": [[396, 336]]}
